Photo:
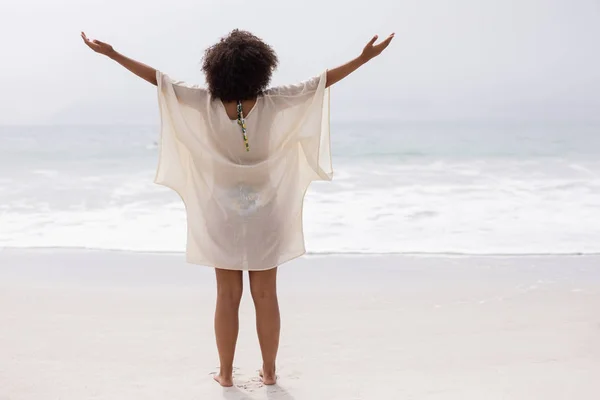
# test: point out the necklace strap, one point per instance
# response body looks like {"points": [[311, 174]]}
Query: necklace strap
{"points": [[242, 123]]}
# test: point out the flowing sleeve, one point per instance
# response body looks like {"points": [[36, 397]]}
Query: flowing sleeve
{"points": [[180, 108], [303, 110]]}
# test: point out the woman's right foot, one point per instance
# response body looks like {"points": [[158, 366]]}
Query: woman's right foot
{"points": [[268, 379], [225, 382]]}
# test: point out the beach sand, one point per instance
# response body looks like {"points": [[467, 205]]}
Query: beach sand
{"points": [[78, 324]]}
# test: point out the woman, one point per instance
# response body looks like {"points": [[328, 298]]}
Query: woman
{"points": [[241, 157]]}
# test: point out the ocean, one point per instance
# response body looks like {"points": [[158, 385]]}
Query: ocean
{"points": [[497, 188]]}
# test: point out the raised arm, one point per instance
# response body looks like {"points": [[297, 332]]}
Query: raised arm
{"points": [[370, 51], [142, 70]]}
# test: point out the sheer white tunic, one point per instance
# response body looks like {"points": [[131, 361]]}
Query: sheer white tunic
{"points": [[244, 209]]}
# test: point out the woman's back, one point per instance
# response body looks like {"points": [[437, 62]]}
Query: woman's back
{"points": [[244, 207]]}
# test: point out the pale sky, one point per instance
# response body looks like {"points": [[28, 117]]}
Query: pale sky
{"points": [[459, 59]]}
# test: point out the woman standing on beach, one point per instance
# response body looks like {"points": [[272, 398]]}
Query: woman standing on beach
{"points": [[241, 157]]}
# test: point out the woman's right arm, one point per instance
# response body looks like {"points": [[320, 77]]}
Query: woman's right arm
{"points": [[370, 51], [142, 70]]}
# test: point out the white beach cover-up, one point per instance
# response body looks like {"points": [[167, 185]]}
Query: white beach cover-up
{"points": [[244, 209]]}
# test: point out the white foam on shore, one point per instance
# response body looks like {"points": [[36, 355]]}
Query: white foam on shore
{"points": [[454, 208]]}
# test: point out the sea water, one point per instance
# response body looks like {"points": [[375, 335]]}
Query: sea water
{"points": [[422, 187]]}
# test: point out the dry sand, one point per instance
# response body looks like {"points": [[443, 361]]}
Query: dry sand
{"points": [[78, 324]]}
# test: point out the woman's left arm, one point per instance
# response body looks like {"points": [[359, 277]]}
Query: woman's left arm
{"points": [[142, 70]]}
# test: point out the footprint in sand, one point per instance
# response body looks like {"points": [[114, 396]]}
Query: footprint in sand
{"points": [[250, 385]]}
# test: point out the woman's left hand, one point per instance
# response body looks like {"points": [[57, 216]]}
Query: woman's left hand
{"points": [[98, 46]]}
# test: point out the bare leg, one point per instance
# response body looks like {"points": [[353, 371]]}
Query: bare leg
{"points": [[263, 285], [229, 295]]}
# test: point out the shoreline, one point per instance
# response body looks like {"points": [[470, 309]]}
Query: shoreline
{"points": [[440, 254]]}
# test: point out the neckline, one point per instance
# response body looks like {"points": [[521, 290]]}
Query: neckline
{"points": [[246, 116]]}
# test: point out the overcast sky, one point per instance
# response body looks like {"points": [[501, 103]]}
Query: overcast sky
{"points": [[451, 59]]}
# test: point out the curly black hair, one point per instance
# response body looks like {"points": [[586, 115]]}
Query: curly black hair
{"points": [[239, 66]]}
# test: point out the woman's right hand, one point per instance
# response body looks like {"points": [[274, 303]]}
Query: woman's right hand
{"points": [[372, 50], [98, 46]]}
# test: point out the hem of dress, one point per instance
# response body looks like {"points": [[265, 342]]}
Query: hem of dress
{"points": [[206, 263]]}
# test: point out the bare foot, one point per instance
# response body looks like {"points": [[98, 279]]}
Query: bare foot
{"points": [[268, 379], [225, 382]]}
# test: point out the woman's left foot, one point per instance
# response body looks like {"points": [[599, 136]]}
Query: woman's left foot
{"points": [[268, 379], [223, 381]]}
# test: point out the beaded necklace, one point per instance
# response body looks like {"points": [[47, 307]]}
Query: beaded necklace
{"points": [[242, 122]]}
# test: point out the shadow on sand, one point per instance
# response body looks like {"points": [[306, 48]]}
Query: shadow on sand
{"points": [[274, 392], [233, 393]]}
